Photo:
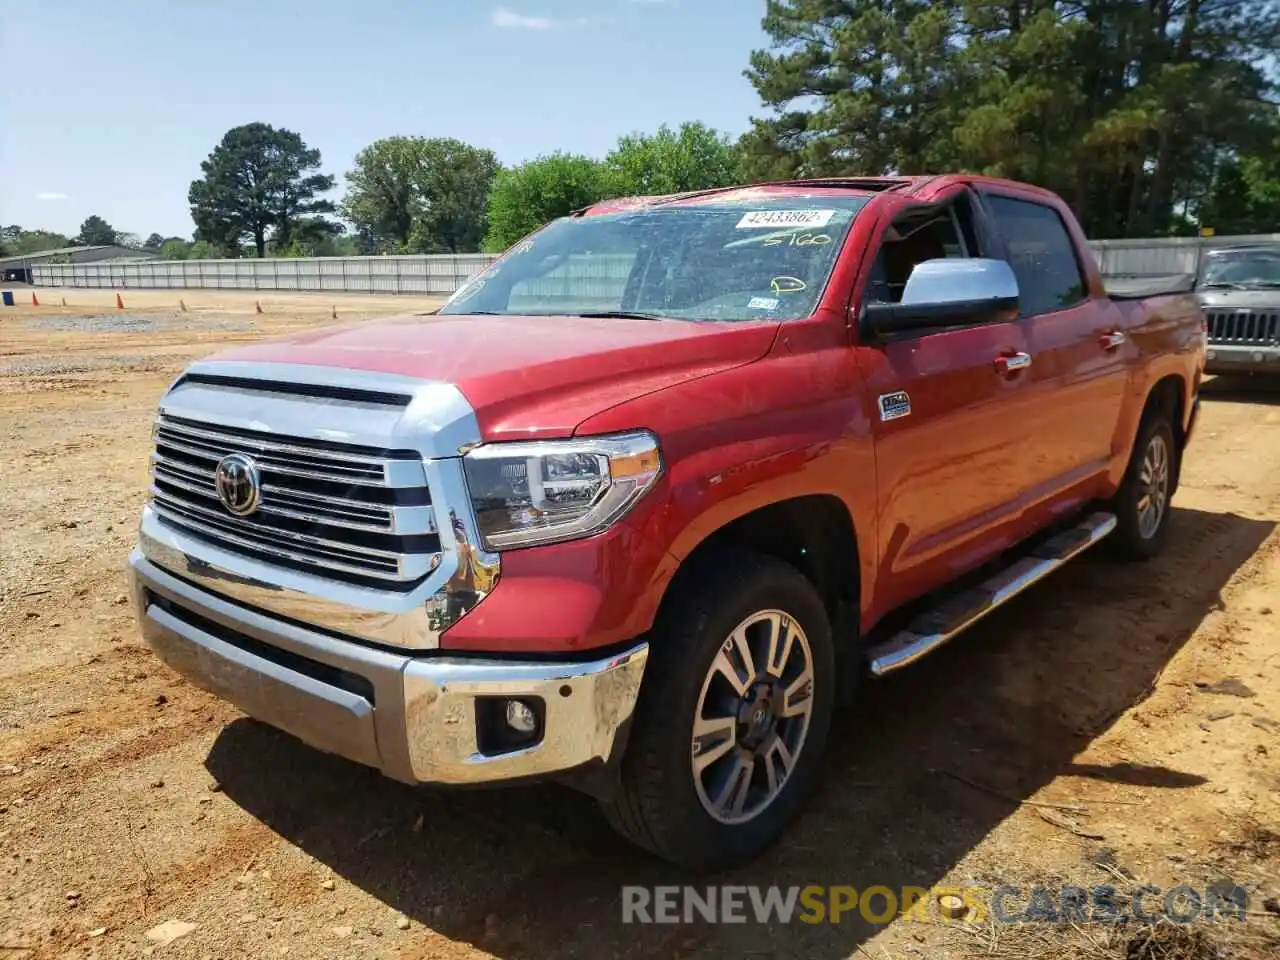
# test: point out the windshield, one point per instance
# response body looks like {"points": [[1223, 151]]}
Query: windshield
{"points": [[763, 259], [1244, 268]]}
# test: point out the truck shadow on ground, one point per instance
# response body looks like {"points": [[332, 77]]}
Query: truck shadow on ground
{"points": [[1242, 388], [926, 766]]}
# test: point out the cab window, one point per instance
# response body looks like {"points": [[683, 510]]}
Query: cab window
{"points": [[1041, 254], [915, 237]]}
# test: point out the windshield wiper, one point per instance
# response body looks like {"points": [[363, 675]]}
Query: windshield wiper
{"points": [[1218, 284], [621, 315]]}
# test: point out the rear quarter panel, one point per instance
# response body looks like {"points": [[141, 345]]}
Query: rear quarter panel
{"points": [[1167, 334]]}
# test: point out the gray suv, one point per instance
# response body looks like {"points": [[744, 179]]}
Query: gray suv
{"points": [[1239, 291]]}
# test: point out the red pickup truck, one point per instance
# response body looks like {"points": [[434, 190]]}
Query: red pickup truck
{"points": [[639, 504]]}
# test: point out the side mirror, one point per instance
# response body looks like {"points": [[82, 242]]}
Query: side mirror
{"points": [[946, 293]]}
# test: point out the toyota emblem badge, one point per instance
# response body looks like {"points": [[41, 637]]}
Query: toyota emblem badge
{"points": [[239, 488]]}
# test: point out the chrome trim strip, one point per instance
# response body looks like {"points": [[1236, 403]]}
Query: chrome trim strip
{"points": [[372, 463], [307, 374], [362, 613], [197, 525], [267, 533], [475, 570], [437, 422], [390, 473], [908, 646], [304, 505]]}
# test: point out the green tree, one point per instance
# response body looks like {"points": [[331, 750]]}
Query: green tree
{"points": [[382, 195], [420, 195], [540, 190], [258, 184], [204, 250], [96, 232], [36, 241], [313, 237], [1124, 107], [453, 179], [153, 242], [855, 87], [694, 157], [1245, 195], [175, 248]]}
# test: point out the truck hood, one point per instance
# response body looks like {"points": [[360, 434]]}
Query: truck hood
{"points": [[524, 376], [1266, 299]]}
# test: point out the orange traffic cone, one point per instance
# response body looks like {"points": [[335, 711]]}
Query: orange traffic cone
{"points": [[119, 302], [183, 305], [257, 306], [35, 301]]}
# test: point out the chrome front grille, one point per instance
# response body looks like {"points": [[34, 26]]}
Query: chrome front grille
{"points": [[330, 509], [1250, 327]]}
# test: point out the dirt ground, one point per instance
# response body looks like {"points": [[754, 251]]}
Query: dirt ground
{"points": [[1145, 700]]}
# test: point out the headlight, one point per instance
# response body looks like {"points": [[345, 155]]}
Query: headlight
{"points": [[533, 492]]}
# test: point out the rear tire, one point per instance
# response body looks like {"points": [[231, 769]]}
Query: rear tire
{"points": [[719, 797], [1141, 505]]}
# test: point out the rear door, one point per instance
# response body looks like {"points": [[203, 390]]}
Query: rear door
{"points": [[1078, 373], [949, 423]]}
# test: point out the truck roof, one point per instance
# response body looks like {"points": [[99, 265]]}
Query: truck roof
{"points": [[1262, 247], [818, 186]]}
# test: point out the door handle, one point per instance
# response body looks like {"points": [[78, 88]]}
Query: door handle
{"points": [[1112, 340], [1012, 363]]}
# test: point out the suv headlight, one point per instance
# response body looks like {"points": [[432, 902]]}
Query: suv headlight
{"points": [[529, 492]]}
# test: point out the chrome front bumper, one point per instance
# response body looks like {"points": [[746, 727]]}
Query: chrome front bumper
{"points": [[1241, 358], [414, 718]]}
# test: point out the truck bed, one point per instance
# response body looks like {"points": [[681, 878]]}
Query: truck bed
{"points": [[1136, 288]]}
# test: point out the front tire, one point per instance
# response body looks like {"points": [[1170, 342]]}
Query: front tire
{"points": [[733, 714], [1142, 504]]}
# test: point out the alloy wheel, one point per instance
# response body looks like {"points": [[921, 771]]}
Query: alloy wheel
{"points": [[752, 716]]}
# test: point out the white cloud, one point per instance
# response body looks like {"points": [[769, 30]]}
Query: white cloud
{"points": [[51, 195], [510, 20]]}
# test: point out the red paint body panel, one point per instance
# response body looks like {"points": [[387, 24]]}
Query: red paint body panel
{"points": [[752, 413], [528, 377]]}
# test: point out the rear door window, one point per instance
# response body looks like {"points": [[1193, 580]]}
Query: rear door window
{"points": [[1041, 254]]}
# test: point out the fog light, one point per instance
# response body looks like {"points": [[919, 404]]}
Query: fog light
{"points": [[1257, 358], [520, 717]]}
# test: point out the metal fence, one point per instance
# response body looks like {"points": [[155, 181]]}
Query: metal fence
{"points": [[408, 274], [443, 274], [1163, 257]]}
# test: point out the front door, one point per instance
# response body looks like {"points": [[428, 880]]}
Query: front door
{"points": [[950, 428]]}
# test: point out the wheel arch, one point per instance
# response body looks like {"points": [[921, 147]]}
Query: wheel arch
{"points": [[1170, 393], [814, 533]]}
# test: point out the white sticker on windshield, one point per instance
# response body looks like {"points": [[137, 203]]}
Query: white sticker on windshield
{"points": [[785, 218], [762, 303]]}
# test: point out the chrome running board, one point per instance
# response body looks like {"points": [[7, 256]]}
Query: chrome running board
{"points": [[935, 627]]}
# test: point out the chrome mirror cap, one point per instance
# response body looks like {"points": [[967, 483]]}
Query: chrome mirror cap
{"points": [[960, 280]]}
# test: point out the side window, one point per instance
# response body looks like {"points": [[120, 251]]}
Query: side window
{"points": [[1041, 254], [914, 238]]}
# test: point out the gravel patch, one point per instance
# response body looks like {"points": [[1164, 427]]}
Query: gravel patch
{"points": [[55, 366], [137, 323]]}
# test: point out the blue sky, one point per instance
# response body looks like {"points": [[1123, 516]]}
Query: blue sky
{"points": [[109, 108]]}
